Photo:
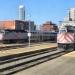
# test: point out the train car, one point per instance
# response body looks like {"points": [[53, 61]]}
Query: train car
{"points": [[43, 36], [66, 38], [49, 36], [20, 36], [35, 36], [13, 36]]}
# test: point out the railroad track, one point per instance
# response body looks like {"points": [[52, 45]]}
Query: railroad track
{"points": [[15, 46], [11, 47], [15, 63]]}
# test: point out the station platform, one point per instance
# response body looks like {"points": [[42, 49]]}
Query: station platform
{"points": [[71, 54], [8, 45], [33, 47]]}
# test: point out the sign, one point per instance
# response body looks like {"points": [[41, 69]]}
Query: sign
{"points": [[29, 34]]}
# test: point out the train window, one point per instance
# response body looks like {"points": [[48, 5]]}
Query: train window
{"points": [[62, 31], [70, 31]]}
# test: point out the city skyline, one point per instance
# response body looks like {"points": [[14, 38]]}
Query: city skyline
{"points": [[39, 10]]}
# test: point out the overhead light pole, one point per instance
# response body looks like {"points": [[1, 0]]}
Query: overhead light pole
{"points": [[29, 32]]}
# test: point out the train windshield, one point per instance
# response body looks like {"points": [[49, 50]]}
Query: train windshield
{"points": [[71, 31], [62, 31]]}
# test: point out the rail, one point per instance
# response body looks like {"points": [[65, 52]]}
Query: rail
{"points": [[15, 46], [18, 62]]}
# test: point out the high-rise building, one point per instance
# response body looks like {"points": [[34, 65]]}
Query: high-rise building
{"points": [[72, 14], [21, 12]]}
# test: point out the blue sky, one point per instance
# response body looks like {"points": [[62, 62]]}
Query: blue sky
{"points": [[40, 10]]}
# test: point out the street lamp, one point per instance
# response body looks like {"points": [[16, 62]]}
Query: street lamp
{"points": [[29, 33]]}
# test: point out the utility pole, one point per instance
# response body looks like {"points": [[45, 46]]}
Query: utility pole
{"points": [[29, 32]]}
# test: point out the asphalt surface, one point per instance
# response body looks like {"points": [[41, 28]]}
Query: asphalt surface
{"points": [[64, 65]]}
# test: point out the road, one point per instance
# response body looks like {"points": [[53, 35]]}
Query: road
{"points": [[64, 65]]}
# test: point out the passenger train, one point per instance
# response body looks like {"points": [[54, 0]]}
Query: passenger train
{"points": [[20, 36], [66, 38]]}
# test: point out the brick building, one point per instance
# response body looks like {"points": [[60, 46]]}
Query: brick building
{"points": [[49, 26], [17, 25]]}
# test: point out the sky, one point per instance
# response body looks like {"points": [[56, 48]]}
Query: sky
{"points": [[40, 11]]}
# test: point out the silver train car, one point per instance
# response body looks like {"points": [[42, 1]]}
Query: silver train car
{"points": [[66, 38], [20, 36], [43, 36], [13, 36]]}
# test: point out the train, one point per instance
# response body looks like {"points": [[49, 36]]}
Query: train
{"points": [[66, 38], [13, 36], [21, 36]]}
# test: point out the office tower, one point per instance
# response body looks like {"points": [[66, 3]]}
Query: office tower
{"points": [[21, 12], [72, 14]]}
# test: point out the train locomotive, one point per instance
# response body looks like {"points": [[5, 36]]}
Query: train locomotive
{"points": [[66, 38], [13, 36]]}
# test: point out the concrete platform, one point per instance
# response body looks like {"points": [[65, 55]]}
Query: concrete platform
{"points": [[27, 49], [4, 45], [64, 65]]}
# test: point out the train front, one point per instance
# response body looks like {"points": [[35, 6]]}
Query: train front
{"points": [[65, 38]]}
